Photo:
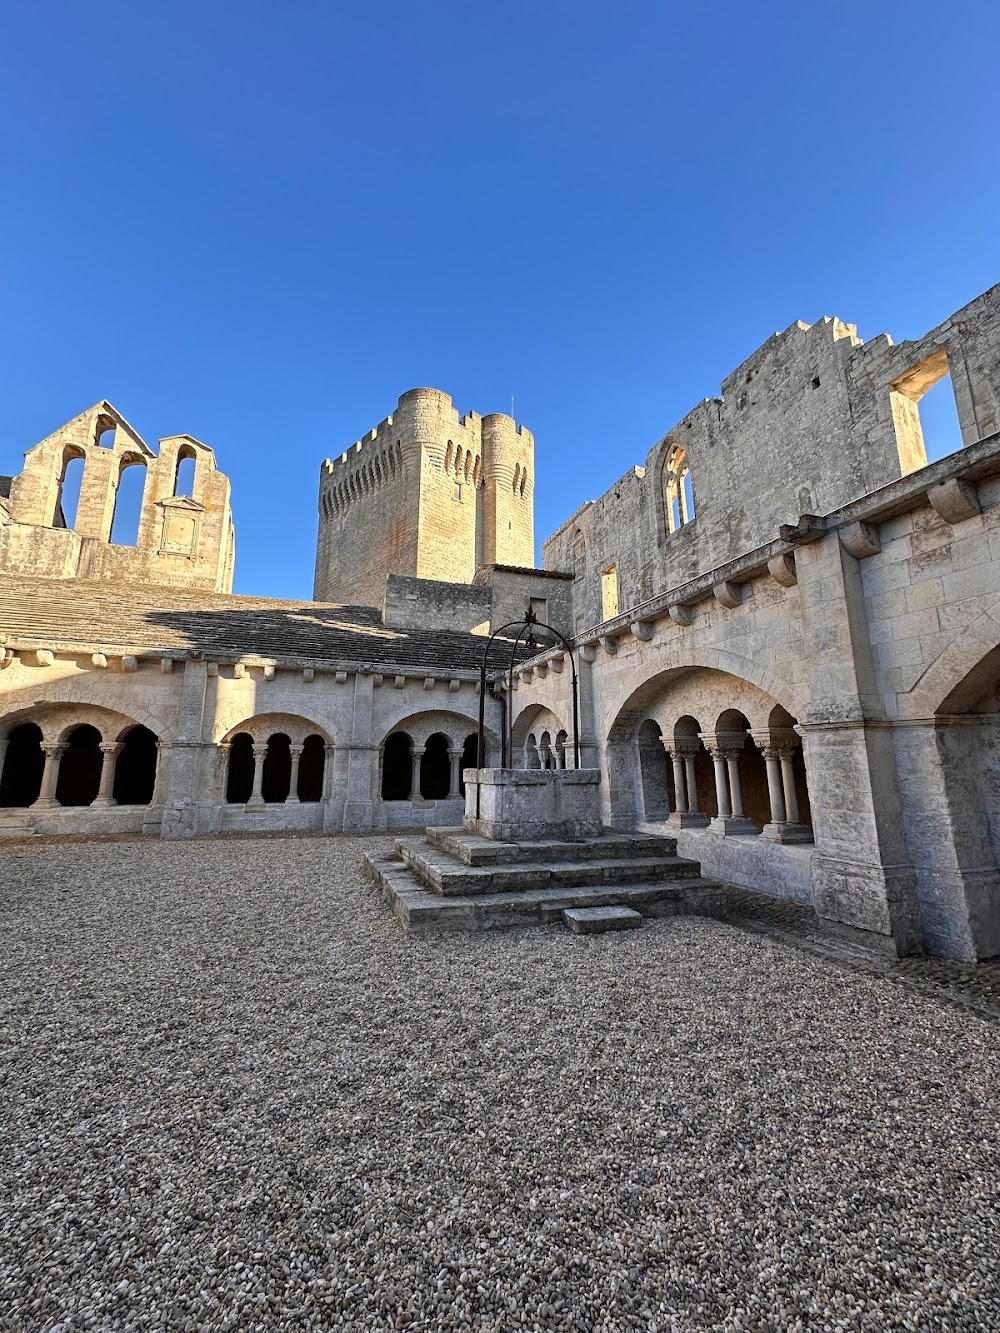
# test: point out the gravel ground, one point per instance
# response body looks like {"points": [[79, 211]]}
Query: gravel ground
{"points": [[235, 1096]]}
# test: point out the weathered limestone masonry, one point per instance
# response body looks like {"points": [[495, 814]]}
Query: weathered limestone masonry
{"points": [[786, 626], [819, 657], [186, 540], [427, 494]]}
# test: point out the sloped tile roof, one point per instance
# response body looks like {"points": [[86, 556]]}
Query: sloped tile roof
{"points": [[93, 614]]}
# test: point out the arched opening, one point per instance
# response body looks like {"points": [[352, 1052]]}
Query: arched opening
{"points": [[397, 768], [80, 767], [128, 505], [104, 436], [532, 759], [785, 739], [312, 766], [734, 728], [562, 740], [277, 778], [470, 754], [654, 772], [135, 768], [679, 491], [435, 768], [239, 780], [68, 493], [184, 476], [23, 765], [545, 756]]}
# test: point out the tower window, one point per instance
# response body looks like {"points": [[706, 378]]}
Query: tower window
{"points": [[609, 592], [458, 490], [679, 491]]}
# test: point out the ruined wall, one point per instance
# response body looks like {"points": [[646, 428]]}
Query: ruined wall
{"points": [[813, 419], [426, 494], [182, 540]]}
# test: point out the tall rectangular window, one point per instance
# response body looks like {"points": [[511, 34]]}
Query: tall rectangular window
{"points": [[924, 413], [609, 592]]}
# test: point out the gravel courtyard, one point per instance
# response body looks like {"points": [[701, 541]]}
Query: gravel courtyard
{"points": [[235, 1096]]}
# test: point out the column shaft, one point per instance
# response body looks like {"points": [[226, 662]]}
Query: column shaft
{"points": [[773, 767], [50, 775], [293, 782], [721, 787], [788, 782], [736, 791], [680, 794], [692, 785], [257, 794]]}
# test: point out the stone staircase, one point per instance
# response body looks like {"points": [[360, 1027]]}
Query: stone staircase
{"points": [[453, 879]]}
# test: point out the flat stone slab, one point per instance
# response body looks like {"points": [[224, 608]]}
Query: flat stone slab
{"points": [[592, 920]]}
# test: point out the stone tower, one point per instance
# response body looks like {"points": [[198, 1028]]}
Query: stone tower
{"points": [[426, 493]]}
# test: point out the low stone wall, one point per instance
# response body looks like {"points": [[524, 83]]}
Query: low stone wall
{"points": [[524, 804], [784, 871]]}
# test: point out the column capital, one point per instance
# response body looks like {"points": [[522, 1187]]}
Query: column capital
{"points": [[110, 747], [260, 751], [296, 750], [54, 748]]}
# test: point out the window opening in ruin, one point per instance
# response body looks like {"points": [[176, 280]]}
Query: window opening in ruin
{"points": [[609, 593], [105, 437], [470, 754], [539, 607], [184, 476], [924, 413], [80, 767], [23, 765], [458, 491], [135, 768], [312, 767], [449, 454], [524, 478], [68, 494], [277, 778], [239, 780], [517, 477], [435, 768], [128, 505], [679, 491], [397, 768]]}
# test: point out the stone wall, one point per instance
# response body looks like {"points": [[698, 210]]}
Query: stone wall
{"points": [[813, 419], [186, 541]]}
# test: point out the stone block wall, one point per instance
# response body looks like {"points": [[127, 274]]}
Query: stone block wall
{"points": [[185, 541], [815, 418]]}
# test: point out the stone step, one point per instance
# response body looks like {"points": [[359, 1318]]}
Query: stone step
{"points": [[419, 908], [596, 920], [446, 876], [476, 851]]}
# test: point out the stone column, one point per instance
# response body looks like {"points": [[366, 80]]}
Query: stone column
{"points": [[544, 754], [417, 753], [526, 752], [774, 793], [329, 752], [53, 751], [730, 821], [735, 790], [693, 807], [256, 801], [680, 789], [293, 782], [788, 782], [721, 785], [455, 759], [109, 753]]}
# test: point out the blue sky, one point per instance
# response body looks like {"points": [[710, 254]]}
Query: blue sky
{"points": [[260, 223]]}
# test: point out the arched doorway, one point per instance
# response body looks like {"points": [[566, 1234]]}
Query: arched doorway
{"points": [[80, 767], [239, 780], [397, 768], [312, 766], [435, 768], [135, 768], [277, 777], [23, 765]]}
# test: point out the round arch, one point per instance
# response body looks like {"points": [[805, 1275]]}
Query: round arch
{"points": [[956, 677], [262, 726]]}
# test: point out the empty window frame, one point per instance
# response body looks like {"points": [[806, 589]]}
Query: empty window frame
{"points": [[924, 414], [679, 491], [609, 592]]}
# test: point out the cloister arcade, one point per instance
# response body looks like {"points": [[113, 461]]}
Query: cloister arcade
{"points": [[71, 756], [424, 756], [704, 749], [274, 759]]}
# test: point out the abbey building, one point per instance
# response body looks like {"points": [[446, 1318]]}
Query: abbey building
{"points": [[785, 622]]}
